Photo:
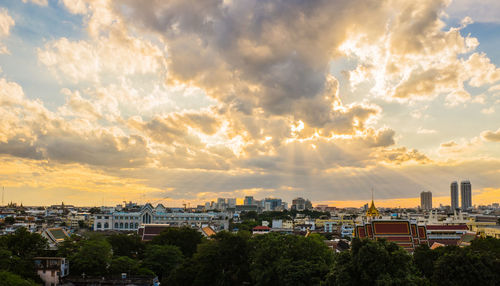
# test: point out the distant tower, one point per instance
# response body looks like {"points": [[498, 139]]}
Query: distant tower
{"points": [[466, 194], [426, 200], [454, 195]]}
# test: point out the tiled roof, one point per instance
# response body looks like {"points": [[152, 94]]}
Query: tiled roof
{"points": [[208, 231], [447, 227]]}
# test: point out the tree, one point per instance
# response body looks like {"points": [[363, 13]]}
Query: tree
{"points": [[373, 263], [464, 266], [69, 246], [11, 279], [279, 259], [162, 259], [424, 259], [126, 245], [124, 264], [185, 238], [92, 258], [222, 260], [25, 244]]}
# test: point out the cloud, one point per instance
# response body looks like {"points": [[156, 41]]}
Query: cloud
{"points": [[37, 2], [492, 136], [259, 55], [29, 130], [426, 131], [6, 22]]}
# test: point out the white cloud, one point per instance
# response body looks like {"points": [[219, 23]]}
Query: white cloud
{"points": [[37, 2], [6, 22]]}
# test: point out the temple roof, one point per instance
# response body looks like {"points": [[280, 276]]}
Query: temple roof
{"points": [[372, 211]]}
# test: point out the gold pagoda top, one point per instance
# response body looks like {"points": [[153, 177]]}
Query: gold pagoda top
{"points": [[372, 211]]}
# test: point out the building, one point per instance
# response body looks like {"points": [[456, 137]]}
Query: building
{"points": [[51, 269], [231, 202], [271, 204], [260, 229], [466, 195], [426, 200], [54, 236], [404, 233], [248, 201], [446, 234], [454, 195], [300, 204], [131, 221]]}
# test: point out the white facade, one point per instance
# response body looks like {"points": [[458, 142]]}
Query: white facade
{"points": [[131, 221]]}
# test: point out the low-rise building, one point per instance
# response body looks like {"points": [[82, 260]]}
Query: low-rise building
{"points": [[51, 269]]}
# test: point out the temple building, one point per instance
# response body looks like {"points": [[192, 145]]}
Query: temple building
{"points": [[372, 211]]}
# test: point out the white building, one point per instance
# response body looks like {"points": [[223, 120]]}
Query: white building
{"points": [[131, 221]]}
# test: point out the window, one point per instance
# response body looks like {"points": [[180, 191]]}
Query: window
{"points": [[126, 225], [116, 225], [106, 217], [121, 224], [106, 225], [98, 217], [99, 225], [136, 225]]}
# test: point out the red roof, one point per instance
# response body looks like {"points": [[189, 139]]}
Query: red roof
{"points": [[447, 227], [260, 227]]}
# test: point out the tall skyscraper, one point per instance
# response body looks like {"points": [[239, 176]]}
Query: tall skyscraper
{"points": [[466, 194], [426, 200], [454, 195]]}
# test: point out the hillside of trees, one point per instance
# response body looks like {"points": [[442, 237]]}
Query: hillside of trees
{"points": [[181, 256]]}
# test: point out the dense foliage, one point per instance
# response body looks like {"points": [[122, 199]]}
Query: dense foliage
{"points": [[181, 256]]}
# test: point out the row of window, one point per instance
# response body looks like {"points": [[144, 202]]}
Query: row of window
{"points": [[119, 225]]}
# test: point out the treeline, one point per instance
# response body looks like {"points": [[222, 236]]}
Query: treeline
{"points": [[181, 256]]}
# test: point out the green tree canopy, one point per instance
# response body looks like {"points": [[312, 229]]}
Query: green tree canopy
{"points": [[222, 260], [464, 266], [92, 258], [126, 245], [11, 279], [162, 259], [124, 264], [278, 259], [24, 244], [186, 238], [373, 263]]}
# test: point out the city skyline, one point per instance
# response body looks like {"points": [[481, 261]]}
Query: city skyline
{"points": [[104, 101]]}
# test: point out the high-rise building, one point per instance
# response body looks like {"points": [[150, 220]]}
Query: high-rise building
{"points": [[248, 201], [454, 195], [231, 202], [466, 195], [426, 200], [299, 204]]}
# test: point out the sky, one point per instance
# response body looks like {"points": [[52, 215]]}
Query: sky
{"points": [[103, 101]]}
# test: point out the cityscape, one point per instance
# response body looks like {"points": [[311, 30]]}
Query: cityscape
{"points": [[249, 142]]}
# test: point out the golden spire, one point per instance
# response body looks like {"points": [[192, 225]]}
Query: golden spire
{"points": [[372, 211]]}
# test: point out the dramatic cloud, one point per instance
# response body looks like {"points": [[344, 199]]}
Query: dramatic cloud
{"points": [[192, 100]]}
